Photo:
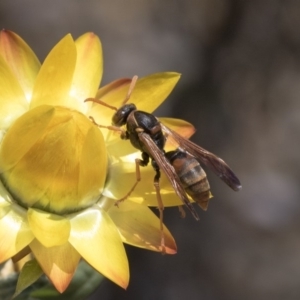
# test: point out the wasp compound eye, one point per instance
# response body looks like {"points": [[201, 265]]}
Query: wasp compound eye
{"points": [[120, 117]]}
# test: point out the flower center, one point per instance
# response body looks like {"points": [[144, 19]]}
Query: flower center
{"points": [[54, 159]]}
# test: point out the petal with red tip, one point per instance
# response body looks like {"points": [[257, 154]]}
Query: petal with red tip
{"points": [[21, 60], [54, 80], [58, 263], [50, 229], [89, 68], [96, 238], [140, 227]]}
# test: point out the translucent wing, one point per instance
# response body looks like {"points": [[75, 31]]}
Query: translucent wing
{"points": [[167, 168], [216, 164]]}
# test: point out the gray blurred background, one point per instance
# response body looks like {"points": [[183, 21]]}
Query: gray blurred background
{"points": [[240, 86]]}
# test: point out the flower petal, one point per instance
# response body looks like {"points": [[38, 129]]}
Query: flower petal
{"points": [[182, 127], [96, 238], [50, 229], [118, 148], [89, 68], [185, 129], [24, 134], [148, 93], [12, 98], [21, 60], [58, 263], [140, 227], [15, 233], [152, 90], [93, 161], [55, 77], [111, 91]]}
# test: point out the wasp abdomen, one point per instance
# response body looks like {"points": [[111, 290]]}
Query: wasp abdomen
{"points": [[192, 177]]}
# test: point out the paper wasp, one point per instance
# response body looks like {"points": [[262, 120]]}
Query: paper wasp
{"points": [[147, 134]]}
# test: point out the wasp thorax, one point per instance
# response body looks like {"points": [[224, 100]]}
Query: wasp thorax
{"points": [[54, 159]]}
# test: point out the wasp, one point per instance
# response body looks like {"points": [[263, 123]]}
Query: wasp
{"points": [[147, 134]]}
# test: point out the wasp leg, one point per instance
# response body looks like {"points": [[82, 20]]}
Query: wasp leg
{"points": [[138, 179], [138, 162], [181, 211], [160, 206], [113, 128]]}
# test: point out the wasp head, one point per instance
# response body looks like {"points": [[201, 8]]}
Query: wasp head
{"points": [[120, 117]]}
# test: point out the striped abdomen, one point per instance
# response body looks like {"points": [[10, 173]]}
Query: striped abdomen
{"points": [[192, 176]]}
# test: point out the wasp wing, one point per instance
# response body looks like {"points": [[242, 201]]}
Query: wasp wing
{"points": [[167, 168], [216, 164]]}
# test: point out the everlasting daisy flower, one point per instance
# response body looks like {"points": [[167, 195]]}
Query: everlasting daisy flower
{"points": [[60, 174]]}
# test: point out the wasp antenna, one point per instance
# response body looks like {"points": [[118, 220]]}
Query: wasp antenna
{"points": [[131, 87], [100, 102]]}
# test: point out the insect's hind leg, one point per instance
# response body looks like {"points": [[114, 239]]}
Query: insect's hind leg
{"points": [[160, 205], [138, 162]]}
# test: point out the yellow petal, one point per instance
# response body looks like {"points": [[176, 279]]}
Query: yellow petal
{"points": [[21, 60], [122, 176], [110, 93], [93, 165], [23, 135], [58, 263], [152, 90], [140, 227], [55, 77], [96, 238], [15, 233], [89, 68], [50, 229], [148, 93], [118, 148], [12, 98], [182, 127], [185, 129]]}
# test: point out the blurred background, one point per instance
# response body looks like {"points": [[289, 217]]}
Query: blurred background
{"points": [[240, 87]]}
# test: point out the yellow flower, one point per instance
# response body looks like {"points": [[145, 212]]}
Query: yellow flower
{"points": [[56, 200]]}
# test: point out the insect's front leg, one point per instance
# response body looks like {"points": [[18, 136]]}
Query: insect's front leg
{"points": [[113, 128]]}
